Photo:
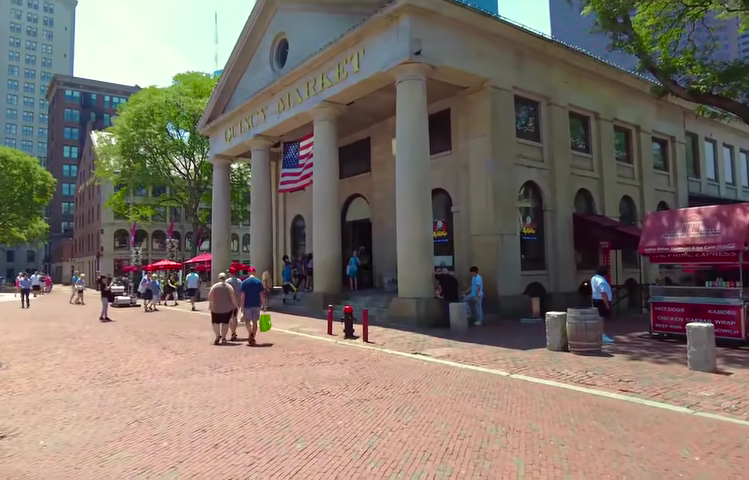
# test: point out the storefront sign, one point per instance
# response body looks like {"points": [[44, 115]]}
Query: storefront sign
{"points": [[695, 257], [440, 231], [311, 87], [528, 229], [604, 249], [670, 317]]}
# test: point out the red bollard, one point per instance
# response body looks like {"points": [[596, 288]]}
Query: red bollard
{"points": [[365, 325], [330, 319]]}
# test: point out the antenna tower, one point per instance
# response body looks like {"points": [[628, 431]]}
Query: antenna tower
{"points": [[215, 39]]}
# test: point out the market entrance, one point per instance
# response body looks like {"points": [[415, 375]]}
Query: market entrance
{"points": [[356, 235]]}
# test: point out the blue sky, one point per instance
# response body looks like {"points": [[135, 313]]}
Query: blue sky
{"points": [[145, 42]]}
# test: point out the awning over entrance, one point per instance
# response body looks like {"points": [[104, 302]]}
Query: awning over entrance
{"points": [[591, 229], [715, 228]]}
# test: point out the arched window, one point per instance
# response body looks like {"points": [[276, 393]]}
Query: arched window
{"points": [[532, 239], [234, 242], [298, 237], [205, 241], [121, 239], [177, 239], [246, 243], [158, 241], [628, 215], [627, 210], [141, 239], [443, 229], [584, 202], [662, 206], [188, 241]]}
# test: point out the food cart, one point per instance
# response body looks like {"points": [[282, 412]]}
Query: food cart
{"points": [[708, 248]]}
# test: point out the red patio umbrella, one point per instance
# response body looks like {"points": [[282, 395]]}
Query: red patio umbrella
{"points": [[129, 268], [202, 258], [239, 267], [164, 265], [203, 268]]}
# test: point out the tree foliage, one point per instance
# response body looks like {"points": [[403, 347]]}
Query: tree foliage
{"points": [[155, 146], [25, 189], [676, 42]]}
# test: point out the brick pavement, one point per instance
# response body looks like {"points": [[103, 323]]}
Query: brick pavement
{"points": [[148, 396], [635, 365]]}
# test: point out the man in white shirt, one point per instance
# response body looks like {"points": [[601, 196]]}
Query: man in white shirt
{"points": [[36, 283], [193, 284], [602, 297]]}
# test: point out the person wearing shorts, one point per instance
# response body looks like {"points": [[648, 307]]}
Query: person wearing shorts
{"points": [[251, 301], [222, 304], [602, 296], [236, 285], [193, 283]]}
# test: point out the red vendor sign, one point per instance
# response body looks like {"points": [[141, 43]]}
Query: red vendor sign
{"points": [[672, 317]]}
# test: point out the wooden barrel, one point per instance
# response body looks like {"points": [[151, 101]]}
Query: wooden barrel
{"points": [[584, 330]]}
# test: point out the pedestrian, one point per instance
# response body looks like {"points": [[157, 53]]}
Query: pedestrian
{"points": [[105, 292], [146, 292], [18, 285], [449, 291], [36, 283], [352, 271], [474, 297], [24, 286], [170, 290], [193, 285], [73, 291], [602, 295], [222, 303], [310, 272], [267, 288], [80, 288], [155, 292], [287, 277], [251, 300], [236, 285]]}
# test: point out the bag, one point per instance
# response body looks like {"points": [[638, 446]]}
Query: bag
{"points": [[265, 323]]}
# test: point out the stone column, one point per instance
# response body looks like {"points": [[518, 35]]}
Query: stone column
{"points": [[413, 184], [261, 220], [221, 217], [326, 214]]}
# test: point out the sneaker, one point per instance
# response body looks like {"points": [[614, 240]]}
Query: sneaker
{"points": [[217, 341], [223, 341], [233, 337], [194, 309], [251, 341], [606, 339]]}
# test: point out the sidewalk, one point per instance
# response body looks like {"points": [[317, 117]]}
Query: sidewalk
{"points": [[635, 365], [149, 396]]}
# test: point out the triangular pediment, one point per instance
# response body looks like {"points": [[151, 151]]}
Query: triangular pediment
{"points": [[307, 25]]}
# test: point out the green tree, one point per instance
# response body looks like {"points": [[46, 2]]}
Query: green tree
{"points": [[25, 189], [665, 36], [155, 145]]}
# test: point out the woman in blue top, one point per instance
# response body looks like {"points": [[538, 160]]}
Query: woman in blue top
{"points": [[352, 270]]}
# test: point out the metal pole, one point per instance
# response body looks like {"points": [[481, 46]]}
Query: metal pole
{"points": [[365, 325], [330, 319]]}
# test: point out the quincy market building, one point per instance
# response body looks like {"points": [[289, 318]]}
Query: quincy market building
{"points": [[445, 136]]}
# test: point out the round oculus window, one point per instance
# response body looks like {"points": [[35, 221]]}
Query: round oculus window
{"points": [[281, 53]]}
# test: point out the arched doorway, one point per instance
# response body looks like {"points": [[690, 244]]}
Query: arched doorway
{"points": [[443, 229], [356, 234], [298, 237]]}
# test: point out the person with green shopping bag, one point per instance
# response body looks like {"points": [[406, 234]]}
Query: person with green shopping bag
{"points": [[251, 300]]}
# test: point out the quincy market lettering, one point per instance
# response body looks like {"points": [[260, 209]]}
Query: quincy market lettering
{"points": [[294, 97]]}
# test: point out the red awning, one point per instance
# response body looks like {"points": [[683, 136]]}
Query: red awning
{"points": [[590, 229], [715, 228], [202, 258]]}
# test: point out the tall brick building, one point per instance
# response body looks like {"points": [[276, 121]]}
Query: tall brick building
{"points": [[76, 106]]}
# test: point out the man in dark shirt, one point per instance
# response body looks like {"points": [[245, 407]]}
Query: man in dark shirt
{"points": [[251, 298], [449, 289]]}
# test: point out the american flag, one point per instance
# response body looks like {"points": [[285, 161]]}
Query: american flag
{"points": [[296, 172]]}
